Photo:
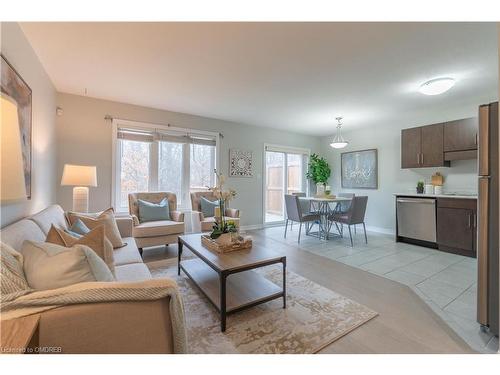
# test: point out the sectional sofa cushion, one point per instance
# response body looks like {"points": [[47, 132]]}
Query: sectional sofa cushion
{"points": [[153, 211], [208, 207], [95, 239], [50, 266], [106, 218], [11, 268]]}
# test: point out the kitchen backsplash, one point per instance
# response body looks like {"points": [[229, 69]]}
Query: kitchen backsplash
{"points": [[461, 177]]}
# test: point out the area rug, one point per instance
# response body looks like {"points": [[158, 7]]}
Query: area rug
{"points": [[314, 318]]}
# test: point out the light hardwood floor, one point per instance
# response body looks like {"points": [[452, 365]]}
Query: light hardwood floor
{"points": [[405, 323]]}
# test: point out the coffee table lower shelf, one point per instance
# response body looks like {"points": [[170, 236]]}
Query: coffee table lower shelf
{"points": [[242, 290]]}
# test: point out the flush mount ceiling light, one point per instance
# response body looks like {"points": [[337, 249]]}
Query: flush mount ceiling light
{"points": [[339, 141], [436, 86]]}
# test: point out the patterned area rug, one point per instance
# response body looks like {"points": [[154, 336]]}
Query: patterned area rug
{"points": [[314, 318]]}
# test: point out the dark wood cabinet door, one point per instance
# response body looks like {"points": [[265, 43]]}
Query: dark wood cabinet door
{"points": [[410, 148], [432, 146], [455, 229], [461, 135]]}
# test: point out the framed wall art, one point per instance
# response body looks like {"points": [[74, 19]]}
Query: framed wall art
{"points": [[12, 85], [240, 163], [359, 169]]}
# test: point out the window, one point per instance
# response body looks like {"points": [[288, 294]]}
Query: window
{"points": [[152, 159], [285, 170]]}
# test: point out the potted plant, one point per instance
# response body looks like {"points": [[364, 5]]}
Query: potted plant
{"points": [[420, 187], [319, 172], [223, 230]]}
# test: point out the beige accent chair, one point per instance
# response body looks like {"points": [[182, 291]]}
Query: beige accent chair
{"points": [[208, 222], [155, 233], [104, 327]]}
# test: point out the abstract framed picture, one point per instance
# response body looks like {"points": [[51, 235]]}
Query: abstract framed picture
{"points": [[240, 163], [12, 85], [359, 169]]}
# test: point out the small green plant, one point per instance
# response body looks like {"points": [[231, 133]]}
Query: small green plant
{"points": [[420, 187], [319, 170]]}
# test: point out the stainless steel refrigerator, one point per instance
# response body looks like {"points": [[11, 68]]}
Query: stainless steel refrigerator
{"points": [[488, 222]]}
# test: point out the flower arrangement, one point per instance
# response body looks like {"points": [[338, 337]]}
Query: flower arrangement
{"points": [[222, 225]]}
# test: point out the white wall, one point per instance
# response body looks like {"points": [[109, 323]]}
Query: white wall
{"points": [[18, 52], [84, 137], [380, 215]]}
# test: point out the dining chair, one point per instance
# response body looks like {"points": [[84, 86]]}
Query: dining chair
{"points": [[344, 206], [354, 215], [294, 213]]}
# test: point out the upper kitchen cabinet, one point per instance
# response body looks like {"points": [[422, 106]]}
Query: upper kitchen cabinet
{"points": [[460, 139], [422, 147]]}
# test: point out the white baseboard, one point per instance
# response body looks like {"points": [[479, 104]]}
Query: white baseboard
{"points": [[369, 228]]}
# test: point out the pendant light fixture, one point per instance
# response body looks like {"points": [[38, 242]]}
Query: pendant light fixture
{"points": [[339, 141]]}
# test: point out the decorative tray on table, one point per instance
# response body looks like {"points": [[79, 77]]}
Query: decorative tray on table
{"points": [[324, 196], [240, 243]]}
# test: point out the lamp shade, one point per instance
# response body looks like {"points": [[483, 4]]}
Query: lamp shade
{"points": [[79, 175], [13, 187]]}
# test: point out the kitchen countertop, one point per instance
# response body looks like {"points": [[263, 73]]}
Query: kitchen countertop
{"points": [[458, 196]]}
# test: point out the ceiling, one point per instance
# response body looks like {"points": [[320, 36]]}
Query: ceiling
{"points": [[293, 76]]}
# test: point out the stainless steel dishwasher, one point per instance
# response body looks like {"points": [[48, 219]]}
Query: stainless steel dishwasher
{"points": [[416, 218]]}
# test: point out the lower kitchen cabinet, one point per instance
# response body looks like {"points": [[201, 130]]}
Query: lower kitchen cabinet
{"points": [[456, 225]]}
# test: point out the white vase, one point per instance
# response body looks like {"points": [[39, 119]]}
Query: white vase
{"points": [[320, 189]]}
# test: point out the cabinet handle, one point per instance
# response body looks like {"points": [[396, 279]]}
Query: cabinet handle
{"points": [[418, 159], [475, 139], [422, 158], [470, 221], [474, 216]]}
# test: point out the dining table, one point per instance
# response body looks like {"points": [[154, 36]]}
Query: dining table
{"points": [[323, 207]]}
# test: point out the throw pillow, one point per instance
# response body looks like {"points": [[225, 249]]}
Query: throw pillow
{"points": [[106, 218], [208, 207], [11, 269], [50, 266], [153, 211], [79, 227], [95, 239]]}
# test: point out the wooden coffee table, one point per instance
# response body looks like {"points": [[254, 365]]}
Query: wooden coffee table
{"points": [[227, 280]]}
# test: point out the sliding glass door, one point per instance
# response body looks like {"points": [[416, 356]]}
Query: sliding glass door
{"points": [[284, 174]]}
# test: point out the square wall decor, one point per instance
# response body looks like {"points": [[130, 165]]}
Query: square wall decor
{"points": [[12, 85], [359, 169], [240, 163]]}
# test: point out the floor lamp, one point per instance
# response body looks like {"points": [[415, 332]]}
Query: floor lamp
{"points": [[81, 177]]}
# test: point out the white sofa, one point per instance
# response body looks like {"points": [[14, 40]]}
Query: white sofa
{"points": [[111, 327]]}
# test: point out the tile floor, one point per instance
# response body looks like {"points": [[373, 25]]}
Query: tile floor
{"points": [[446, 282]]}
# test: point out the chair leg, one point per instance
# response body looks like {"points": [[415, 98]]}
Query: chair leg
{"points": [[286, 226], [140, 251], [350, 234], [300, 229], [364, 228]]}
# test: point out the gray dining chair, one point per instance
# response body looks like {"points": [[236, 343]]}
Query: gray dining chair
{"points": [[344, 206], [294, 213], [354, 215]]}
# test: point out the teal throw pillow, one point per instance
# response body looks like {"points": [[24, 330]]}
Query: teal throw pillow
{"points": [[153, 211]]}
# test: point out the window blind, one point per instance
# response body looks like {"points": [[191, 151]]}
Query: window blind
{"points": [[286, 149], [158, 135]]}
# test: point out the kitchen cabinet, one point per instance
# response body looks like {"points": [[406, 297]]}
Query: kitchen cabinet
{"points": [[457, 225], [422, 147], [411, 140], [460, 135]]}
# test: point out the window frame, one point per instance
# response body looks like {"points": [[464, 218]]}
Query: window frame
{"points": [[153, 154]]}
